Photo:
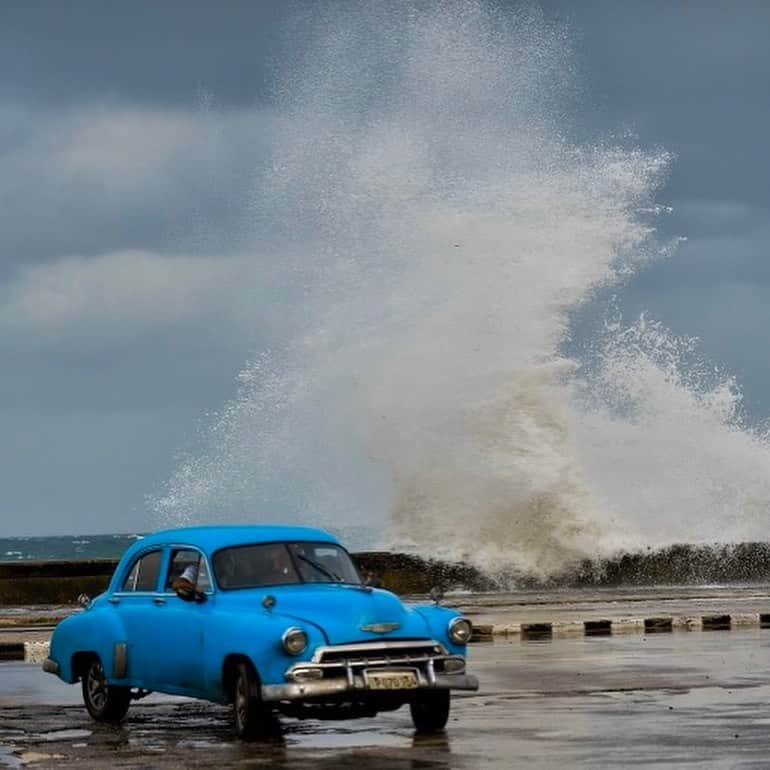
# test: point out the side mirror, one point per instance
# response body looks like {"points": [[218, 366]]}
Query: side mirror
{"points": [[372, 580], [84, 600], [437, 594]]}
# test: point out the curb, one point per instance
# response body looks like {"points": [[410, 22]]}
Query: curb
{"points": [[29, 652], [37, 652], [616, 626]]}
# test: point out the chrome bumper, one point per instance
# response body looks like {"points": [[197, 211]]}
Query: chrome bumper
{"points": [[50, 666], [341, 687]]}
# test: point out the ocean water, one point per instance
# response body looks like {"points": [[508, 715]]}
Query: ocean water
{"points": [[112, 546], [65, 547], [426, 227]]}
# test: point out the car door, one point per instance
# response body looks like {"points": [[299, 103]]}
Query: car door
{"points": [[135, 602], [180, 622]]}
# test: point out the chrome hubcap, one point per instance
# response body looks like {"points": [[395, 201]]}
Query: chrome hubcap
{"points": [[241, 701], [97, 686]]}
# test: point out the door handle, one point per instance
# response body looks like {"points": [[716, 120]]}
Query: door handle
{"points": [[114, 600], [159, 600]]}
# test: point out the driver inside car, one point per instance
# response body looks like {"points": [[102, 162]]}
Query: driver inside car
{"points": [[184, 585]]}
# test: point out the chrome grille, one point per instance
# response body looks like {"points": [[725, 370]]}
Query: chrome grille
{"points": [[352, 661], [378, 653]]}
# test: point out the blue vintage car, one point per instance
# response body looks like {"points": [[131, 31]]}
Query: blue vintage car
{"points": [[266, 618]]}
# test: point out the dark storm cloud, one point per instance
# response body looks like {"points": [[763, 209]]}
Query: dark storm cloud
{"points": [[162, 53]]}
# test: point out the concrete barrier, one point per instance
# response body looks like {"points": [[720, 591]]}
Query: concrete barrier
{"points": [[716, 622], [627, 626], [687, 623], [37, 651], [53, 582], [618, 626], [61, 582], [597, 627]]}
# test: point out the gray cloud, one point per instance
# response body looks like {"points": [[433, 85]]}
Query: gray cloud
{"points": [[108, 300], [97, 179]]}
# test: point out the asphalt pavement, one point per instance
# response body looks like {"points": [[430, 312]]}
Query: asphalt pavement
{"points": [[674, 700]]}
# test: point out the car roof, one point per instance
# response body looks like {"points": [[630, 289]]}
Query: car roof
{"points": [[212, 538]]}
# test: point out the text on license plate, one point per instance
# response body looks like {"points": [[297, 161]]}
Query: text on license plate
{"points": [[391, 680]]}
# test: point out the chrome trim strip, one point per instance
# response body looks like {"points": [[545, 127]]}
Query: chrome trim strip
{"points": [[379, 646], [404, 660], [381, 628], [119, 661]]}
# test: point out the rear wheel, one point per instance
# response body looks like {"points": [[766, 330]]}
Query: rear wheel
{"points": [[430, 711], [105, 702], [252, 717]]}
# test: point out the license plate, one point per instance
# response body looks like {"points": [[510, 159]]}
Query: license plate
{"points": [[391, 680]]}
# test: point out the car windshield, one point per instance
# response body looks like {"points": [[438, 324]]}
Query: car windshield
{"points": [[269, 564]]}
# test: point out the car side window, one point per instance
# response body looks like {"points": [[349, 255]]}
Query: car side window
{"points": [[188, 562], [143, 575]]}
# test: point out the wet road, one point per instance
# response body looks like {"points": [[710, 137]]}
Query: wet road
{"points": [[673, 700]]}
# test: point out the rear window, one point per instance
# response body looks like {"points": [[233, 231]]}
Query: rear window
{"points": [[143, 575]]}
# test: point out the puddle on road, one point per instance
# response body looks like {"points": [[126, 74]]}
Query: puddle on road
{"points": [[202, 743], [39, 756], [391, 732], [64, 735], [8, 758], [346, 740]]}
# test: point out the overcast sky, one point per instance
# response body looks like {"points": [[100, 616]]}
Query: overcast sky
{"points": [[129, 138]]}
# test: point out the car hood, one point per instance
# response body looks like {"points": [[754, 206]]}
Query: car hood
{"points": [[346, 613]]}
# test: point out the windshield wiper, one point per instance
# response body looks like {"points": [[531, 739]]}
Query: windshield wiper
{"points": [[319, 567]]}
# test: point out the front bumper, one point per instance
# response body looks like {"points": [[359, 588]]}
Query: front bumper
{"points": [[345, 672], [50, 666], [341, 688]]}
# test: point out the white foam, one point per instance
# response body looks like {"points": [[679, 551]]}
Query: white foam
{"points": [[429, 228]]}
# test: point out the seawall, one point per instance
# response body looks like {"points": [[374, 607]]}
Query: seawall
{"points": [[61, 582]]}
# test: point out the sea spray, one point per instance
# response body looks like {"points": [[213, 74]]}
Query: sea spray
{"points": [[428, 226], [665, 445]]}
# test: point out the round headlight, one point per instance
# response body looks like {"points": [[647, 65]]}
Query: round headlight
{"points": [[459, 630], [294, 640]]}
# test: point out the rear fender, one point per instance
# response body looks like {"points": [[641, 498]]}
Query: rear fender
{"points": [[96, 631]]}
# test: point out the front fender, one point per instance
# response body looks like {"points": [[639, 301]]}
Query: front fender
{"points": [[437, 619], [259, 640]]}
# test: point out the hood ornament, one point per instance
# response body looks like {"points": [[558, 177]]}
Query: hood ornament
{"points": [[381, 628]]}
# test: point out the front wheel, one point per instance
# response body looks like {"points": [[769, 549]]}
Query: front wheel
{"points": [[430, 711], [105, 702], [251, 715]]}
